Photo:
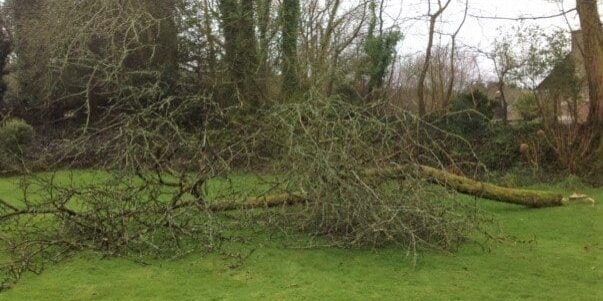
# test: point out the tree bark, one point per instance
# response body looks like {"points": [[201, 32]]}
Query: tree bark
{"points": [[241, 53], [264, 8], [290, 22], [529, 198], [503, 101], [249, 54], [592, 33], [423, 74], [6, 48]]}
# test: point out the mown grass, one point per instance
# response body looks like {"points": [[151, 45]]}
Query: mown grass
{"points": [[544, 254]]}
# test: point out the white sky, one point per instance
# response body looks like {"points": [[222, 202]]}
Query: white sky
{"points": [[477, 33]]}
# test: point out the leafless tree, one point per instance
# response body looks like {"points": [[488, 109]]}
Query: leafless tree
{"points": [[433, 19], [453, 50]]}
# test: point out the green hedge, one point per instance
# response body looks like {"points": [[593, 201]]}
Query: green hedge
{"points": [[496, 145], [15, 137]]}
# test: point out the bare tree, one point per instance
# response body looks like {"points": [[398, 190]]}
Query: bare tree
{"points": [[505, 61], [330, 34], [453, 51], [439, 78], [433, 19]]}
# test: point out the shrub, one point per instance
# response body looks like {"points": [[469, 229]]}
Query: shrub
{"points": [[15, 136], [470, 115], [474, 100], [468, 119], [527, 106], [573, 183], [497, 146], [500, 150]]}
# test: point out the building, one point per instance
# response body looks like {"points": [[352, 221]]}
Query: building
{"points": [[565, 88], [512, 94]]}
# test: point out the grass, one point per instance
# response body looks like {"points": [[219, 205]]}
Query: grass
{"points": [[544, 254]]}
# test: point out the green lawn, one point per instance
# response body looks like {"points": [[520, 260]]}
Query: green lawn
{"points": [[544, 254]]}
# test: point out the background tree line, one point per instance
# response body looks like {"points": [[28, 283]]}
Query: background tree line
{"points": [[67, 54], [68, 63]]}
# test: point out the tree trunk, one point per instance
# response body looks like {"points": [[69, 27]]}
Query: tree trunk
{"points": [[433, 18], [425, 68], [165, 36], [238, 25], [264, 8], [268, 201], [503, 101], [290, 22], [24, 15], [592, 33], [593, 56], [228, 17], [528, 198], [450, 88], [211, 42], [248, 53], [6, 48], [598, 164]]}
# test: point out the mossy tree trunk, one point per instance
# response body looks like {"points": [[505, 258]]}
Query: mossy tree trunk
{"points": [[240, 43], [592, 33], [528, 198], [593, 56], [290, 26]]}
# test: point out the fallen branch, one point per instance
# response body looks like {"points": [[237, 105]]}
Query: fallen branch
{"points": [[528, 198], [268, 201]]}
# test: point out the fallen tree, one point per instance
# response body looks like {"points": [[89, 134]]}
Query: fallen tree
{"points": [[146, 201], [529, 198], [268, 201], [464, 185]]}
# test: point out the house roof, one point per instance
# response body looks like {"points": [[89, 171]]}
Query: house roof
{"points": [[574, 57]]}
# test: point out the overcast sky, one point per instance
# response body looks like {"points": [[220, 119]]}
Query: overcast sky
{"points": [[477, 32]]}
